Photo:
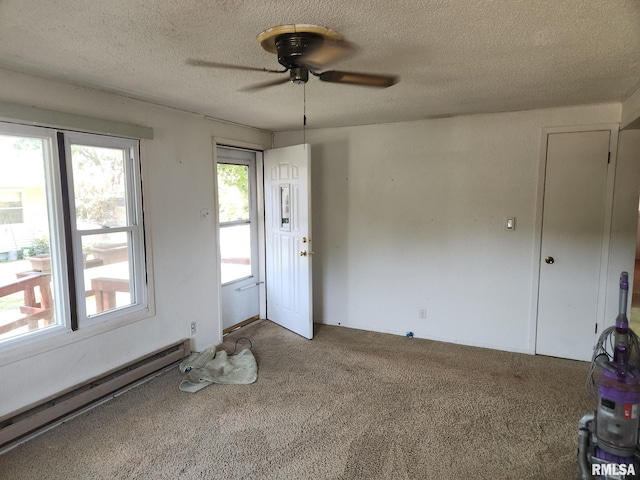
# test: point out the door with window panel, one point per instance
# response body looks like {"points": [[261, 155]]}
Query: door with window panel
{"points": [[238, 235]]}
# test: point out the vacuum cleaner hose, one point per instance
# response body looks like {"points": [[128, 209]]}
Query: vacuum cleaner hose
{"points": [[603, 362]]}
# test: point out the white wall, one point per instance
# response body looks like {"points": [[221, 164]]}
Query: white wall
{"points": [[178, 182], [631, 111], [406, 215], [638, 239], [624, 228], [631, 119], [412, 215]]}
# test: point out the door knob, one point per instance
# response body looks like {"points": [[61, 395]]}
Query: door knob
{"points": [[549, 260], [303, 253]]}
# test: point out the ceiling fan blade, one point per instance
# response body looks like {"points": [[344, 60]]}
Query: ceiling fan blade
{"points": [[325, 53], [364, 79], [259, 86], [205, 63]]}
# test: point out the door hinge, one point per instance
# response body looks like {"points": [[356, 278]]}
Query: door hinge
{"points": [[609, 157], [596, 328]]}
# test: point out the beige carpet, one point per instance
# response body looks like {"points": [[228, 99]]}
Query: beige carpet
{"points": [[347, 405]]}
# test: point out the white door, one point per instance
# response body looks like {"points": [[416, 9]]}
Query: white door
{"points": [[572, 231], [238, 235], [287, 197]]}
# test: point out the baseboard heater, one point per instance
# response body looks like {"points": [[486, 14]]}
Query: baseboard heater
{"points": [[26, 422]]}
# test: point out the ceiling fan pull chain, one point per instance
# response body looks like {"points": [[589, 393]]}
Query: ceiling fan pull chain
{"points": [[304, 113]]}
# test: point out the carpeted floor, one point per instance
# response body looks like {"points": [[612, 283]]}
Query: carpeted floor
{"points": [[348, 405]]}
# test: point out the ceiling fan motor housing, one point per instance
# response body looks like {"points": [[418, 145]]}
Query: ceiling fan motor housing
{"points": [[299, 75], [291, 46]]}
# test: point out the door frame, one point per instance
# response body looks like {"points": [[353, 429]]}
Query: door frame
{"points": [[606, 231], [258, 149]]}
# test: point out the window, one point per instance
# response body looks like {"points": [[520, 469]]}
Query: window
{"points": [[10, 207], [237, 237], [76, 256], [106, 221]]}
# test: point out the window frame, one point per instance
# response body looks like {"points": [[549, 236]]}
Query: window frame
{"points": [[55, 216], [66, 251], [134, 227], [251, 222]]}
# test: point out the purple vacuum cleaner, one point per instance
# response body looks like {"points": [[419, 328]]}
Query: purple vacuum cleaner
{"points": [[608, 438]]}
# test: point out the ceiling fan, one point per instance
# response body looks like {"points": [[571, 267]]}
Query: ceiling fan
{"points": [[305, 49]]}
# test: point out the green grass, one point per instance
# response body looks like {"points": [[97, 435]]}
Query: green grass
{"points": [[11, 303]]}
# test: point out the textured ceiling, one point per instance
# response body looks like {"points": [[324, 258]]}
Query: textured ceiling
{"points": [[453, 56]]}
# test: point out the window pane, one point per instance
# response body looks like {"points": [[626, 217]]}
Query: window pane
{"points": [[235, 250], [26, 290], [106, 271], [10, 215], [233, 192], [10, 199], [10, 204], [99, 187]]}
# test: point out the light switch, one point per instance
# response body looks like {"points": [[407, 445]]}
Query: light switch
{"points": [[511, 223]]}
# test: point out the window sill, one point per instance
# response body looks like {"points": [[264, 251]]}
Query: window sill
{"points": [[60, 337]]}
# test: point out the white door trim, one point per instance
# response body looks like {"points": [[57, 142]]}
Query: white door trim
{"points": [[262, 252], [225, 142], [606, 234]]}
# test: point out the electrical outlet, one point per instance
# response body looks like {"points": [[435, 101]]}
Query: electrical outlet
{"points": [[193, 328], [422, 313]]}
